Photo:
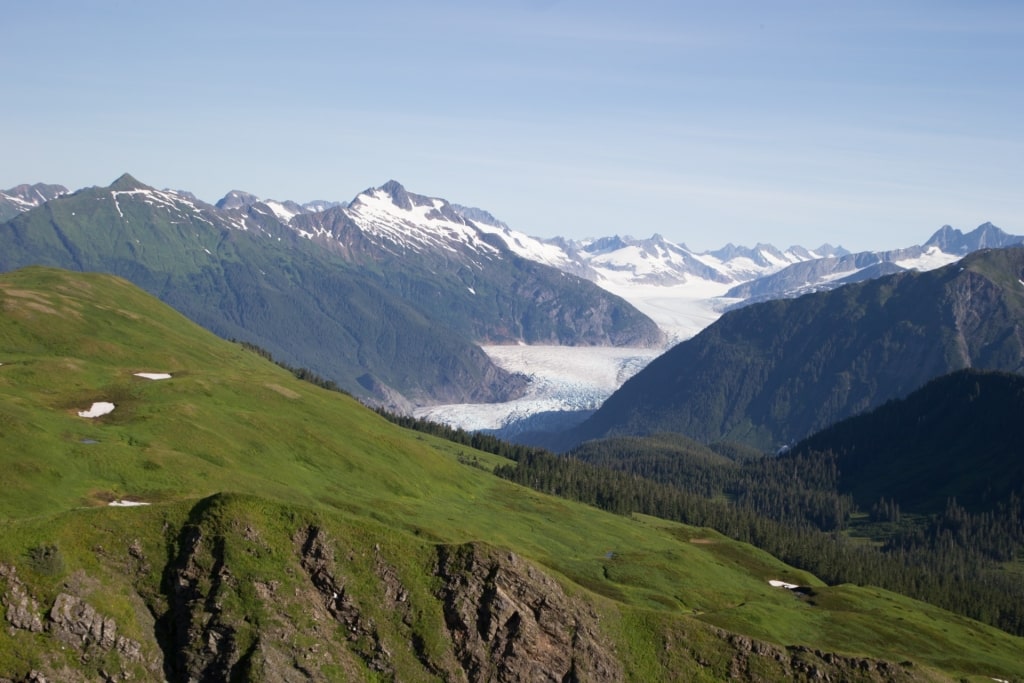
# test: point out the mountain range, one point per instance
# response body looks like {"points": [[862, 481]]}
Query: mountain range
{"points": [[392, 294], [342, 291]]}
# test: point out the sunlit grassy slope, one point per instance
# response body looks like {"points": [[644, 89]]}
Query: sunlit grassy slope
{"points": [[229, 421]]}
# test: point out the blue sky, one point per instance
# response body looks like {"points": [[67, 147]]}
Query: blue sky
{"points": [[866, 124]]}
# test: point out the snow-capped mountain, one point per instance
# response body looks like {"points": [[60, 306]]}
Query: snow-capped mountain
{"points": [[683, 291], [24, 197], [403, 223], [477, 270]]}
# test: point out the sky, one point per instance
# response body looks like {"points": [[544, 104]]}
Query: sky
{"points": [[864, 124]]}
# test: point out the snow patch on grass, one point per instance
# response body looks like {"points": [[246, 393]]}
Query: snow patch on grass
{"points": [[126, 503], [98, 409], [153, 375]]}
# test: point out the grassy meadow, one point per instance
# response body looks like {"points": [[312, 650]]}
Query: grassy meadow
{"points": [[239, 441]]}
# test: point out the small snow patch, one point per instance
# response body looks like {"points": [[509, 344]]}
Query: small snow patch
{"points": [[98, 409], [125, 503], [153, 375], [782, 584]]}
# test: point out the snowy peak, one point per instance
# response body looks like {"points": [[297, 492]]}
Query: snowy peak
{"points": [[476, 215], [405, 222], [645, 261], [32, 196], [285, 211], [24, 197], [399, 197], [408, 202]]}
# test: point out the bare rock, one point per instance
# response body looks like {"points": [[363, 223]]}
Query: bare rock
{"points": [[22, 610], [509, 621], [76, 621], [316, 554]]}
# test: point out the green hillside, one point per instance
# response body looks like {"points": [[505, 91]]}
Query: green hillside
{"points": [[294, 535]]}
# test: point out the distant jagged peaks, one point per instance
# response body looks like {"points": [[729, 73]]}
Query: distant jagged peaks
{"points": [[237, 199], [24, 197], [985, 236], [318, 205], [414, 221], [36, 193], [471, 213], [606, 244], [759, 254]]}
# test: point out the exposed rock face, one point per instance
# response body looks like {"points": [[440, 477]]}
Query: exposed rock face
{"points": [[236, 603], [21, 609], [800, 663], [510, 622], [317, 559], [204, 647], [75, 623]]}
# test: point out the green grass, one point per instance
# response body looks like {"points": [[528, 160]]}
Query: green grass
{"points": [[289, 452]]}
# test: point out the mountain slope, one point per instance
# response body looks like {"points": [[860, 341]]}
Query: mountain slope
{"points": [[771, 373], [958, 437], [294, 535]]}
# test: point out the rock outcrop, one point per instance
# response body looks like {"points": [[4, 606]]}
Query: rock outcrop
{"points": [[74, 623], [508, 621]]}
